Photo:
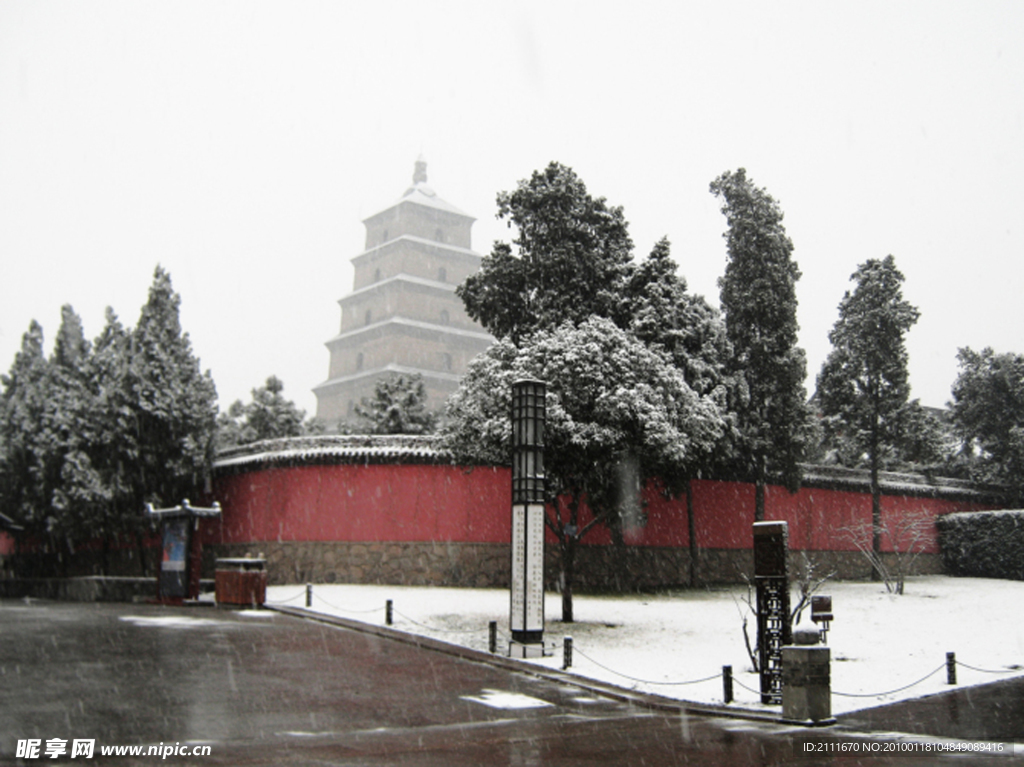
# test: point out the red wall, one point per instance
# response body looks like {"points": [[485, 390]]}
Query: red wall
{"points": [[358, 502], [416, 502]]}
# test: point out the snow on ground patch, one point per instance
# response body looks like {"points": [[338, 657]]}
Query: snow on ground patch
{"points": [[675, 644], [170, 621], [505, 699]]}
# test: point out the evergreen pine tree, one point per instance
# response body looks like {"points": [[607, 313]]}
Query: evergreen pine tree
{"points": [[268, 416], [398, 406], [863, 386], [172, 404], [23, 471], [758, 296]]}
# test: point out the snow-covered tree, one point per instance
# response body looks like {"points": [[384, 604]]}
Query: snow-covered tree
{"points": [[77, 498], [173, 403], [398, 406], [608, 395], [113, 447], [572, 259], [90, 435], [988, 414], [758, 298], [663, 314], [23, 442], [864, 387], [268, 416]]}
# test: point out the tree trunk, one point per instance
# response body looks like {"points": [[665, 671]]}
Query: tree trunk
{"points": [[876, 521], [568, 574], [876, 501], [141, 549], [691, 529]]}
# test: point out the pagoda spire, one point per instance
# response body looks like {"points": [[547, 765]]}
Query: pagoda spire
{"points": [[419, 175]]}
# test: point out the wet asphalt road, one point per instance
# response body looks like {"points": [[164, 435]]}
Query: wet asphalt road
{"points": [[278, 690]]}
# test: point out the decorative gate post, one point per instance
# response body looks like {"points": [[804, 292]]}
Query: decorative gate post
{"points": [[178, 577], [526, 620], [771, 575]]}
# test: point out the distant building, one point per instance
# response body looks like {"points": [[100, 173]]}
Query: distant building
{"points": [[402, 315]]}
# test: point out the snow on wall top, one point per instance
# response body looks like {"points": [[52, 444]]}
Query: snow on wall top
{"points": [[360, 448], [422, 449]]}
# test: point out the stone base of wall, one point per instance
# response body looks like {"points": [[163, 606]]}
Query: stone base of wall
{"points": [[467, 565], [486, 565]]}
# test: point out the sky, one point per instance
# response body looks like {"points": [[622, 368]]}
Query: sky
{"points": [[241, 144]]}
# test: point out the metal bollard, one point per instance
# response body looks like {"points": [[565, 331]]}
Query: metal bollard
{"points": [[387, 612], [566, 653], [492, 637], [309, 595], [951, 668], [727, 683]]}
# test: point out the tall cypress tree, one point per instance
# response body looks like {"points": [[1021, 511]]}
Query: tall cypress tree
{"points": [[172, 404], [78, 496], [758, 296], [23, 473], [113, 449]]}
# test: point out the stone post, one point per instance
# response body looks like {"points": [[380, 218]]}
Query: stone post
{"points": [[807, 679]]}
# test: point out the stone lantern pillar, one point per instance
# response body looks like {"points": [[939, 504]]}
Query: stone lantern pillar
{"points": [[526, 618]]}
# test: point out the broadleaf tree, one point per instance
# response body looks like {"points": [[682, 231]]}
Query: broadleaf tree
{"points": [[758, 299], [988, 415], [863, 387], [608, 394], [571, 260], [662, 313]]}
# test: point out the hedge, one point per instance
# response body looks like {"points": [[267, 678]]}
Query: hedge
{"points": [[984, 544]]}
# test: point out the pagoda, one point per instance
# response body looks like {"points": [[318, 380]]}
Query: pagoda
{"points": [[402, 316]]}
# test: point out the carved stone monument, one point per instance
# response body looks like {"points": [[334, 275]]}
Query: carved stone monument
{"points": [[771, 576]]}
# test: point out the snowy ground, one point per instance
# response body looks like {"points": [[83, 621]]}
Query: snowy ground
{"points": [[660, 643]]}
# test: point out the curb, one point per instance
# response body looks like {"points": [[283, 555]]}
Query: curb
{"points": [[642, 699]]}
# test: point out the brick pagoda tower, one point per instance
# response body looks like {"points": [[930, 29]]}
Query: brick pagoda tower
{"points": [[402, 315]]}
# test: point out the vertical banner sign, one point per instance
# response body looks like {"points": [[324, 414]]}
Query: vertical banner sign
{"points": [[771, 575], [174, 561], [526, 618]]}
